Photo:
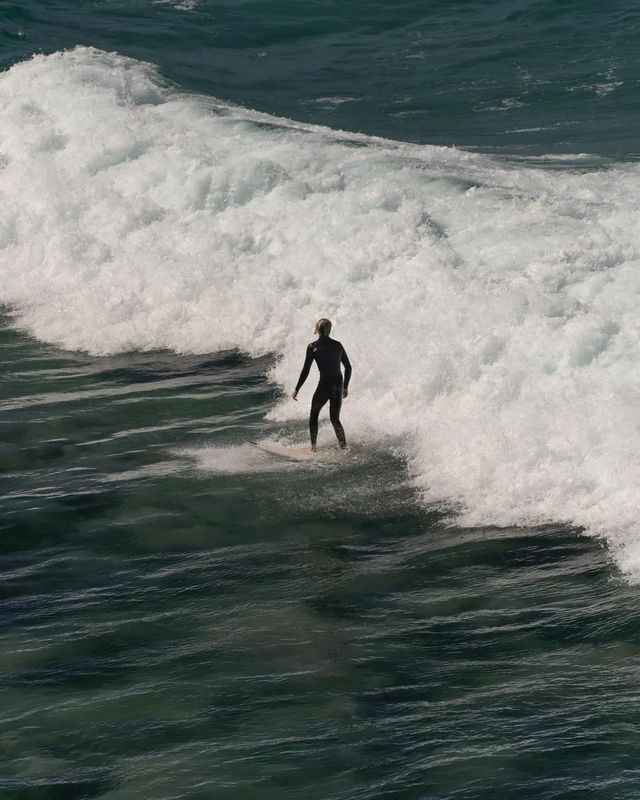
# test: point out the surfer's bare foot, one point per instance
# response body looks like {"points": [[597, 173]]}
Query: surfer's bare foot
{"points": [[311, 450]]}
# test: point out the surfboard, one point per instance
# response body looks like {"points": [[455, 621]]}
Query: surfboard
{"points": [[292, 453]]}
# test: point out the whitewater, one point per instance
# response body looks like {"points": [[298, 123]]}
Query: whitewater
{"points": [[489, 307]]}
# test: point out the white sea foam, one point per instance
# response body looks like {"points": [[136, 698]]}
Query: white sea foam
{"points": [[247, 458], [489, 309], [234, 460], [182, 5]]}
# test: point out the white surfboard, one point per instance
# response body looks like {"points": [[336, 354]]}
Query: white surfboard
{"points": [[292, 453]]}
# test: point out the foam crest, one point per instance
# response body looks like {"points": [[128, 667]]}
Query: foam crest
{"points": [[490, 310]]}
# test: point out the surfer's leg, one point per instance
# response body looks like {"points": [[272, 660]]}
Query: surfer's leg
{"points": [[335, 405], [319, 398]]}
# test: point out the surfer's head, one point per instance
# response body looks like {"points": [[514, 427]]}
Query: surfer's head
{"points": [[323, 327]]}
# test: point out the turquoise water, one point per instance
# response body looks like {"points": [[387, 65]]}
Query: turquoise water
{"points": [[448, 611], [525, 76]]}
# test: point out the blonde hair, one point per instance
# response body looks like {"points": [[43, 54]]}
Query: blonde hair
{"points": [[323, 327]]}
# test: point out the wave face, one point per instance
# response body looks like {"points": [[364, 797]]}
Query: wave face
{"points": [[489, 309]]}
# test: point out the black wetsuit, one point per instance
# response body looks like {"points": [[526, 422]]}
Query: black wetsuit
{"points": [[328, 355]]}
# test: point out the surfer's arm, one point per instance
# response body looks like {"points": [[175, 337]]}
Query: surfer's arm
{"points": [[305, 371], [347, 371]]}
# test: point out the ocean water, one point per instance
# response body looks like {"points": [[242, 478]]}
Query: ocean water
{"points": [[449, 610]]}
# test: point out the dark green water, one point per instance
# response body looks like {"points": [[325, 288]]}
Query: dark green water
{"points": [[304, 632]]}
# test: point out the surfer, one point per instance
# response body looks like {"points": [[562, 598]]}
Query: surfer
{"points": [[328, 355]]}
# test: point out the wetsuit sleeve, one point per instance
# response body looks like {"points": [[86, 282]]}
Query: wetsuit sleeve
{"points": [[305, 369], [347, 368]]}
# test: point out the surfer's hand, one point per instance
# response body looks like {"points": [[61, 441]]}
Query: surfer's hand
{"points": [[295, 395], [345, 393]]}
